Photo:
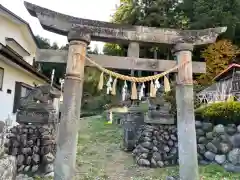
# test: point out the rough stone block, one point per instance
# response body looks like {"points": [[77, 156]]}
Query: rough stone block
{"points": [[8, 167]]}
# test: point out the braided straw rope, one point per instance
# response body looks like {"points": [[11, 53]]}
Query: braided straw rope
{"points": [[132, 78]]}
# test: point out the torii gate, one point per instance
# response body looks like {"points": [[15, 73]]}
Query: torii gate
{"points": [[80, 32]]}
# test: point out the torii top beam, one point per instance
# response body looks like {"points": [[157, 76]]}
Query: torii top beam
{"points": [[111, 32]]}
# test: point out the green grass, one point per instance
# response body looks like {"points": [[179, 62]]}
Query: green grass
{"points": [[100, 156]]}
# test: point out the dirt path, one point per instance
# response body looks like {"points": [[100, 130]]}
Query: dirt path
{"points": [[120, 167], [100, 156]]}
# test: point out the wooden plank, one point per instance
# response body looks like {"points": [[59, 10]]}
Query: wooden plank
{"points": [[117, 62]]}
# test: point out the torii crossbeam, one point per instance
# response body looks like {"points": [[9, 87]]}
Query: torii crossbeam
{"points": [[80, 32], [116, 62]]}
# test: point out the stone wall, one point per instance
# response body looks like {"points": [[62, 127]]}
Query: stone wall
{"points": [[8, 167], [34, 147], [2, 133], [8, 164], [219, 144], [156, 146]]}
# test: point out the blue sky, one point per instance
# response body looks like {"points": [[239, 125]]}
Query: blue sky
{"points": [[89, 9]]}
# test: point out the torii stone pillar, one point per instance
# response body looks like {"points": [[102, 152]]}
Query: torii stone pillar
{"points": [[73, 85], [187, 145], [133, 51]]}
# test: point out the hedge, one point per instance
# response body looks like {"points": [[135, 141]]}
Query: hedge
{"points": [[220, 112]]}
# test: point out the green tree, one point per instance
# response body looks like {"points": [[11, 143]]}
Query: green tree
{"points": [[129, 12], [208, 14], [113, 49], [217, 56], [54, 46], [155, 13], [43, 43]]}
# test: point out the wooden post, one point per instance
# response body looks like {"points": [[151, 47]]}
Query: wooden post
{"points": [[185, 115], [68, 129]]}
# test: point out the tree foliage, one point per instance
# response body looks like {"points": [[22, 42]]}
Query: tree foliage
{"points": [[43, 43], [217, 56], [208, 14], [220, 113], [113, 49], [154, 13], [127, 13], [185, 14]]}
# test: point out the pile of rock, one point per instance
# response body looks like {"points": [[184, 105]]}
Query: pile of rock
{"points": [[156, 146], [7, 167], [2, 133], [219, 144], [34, 146]]}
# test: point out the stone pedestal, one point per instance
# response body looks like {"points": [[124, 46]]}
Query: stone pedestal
{"points": [[133, 120]]}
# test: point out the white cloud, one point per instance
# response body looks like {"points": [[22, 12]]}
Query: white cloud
{"points": [[89, 9]]}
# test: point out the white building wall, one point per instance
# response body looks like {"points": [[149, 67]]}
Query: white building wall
{"points": [[9, 29], [11, 75]]}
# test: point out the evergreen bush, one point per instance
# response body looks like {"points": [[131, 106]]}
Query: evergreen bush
{"points": [[220, 112]]}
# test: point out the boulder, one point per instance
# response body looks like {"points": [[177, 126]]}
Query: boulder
{"points": [[211, 147], [48, 168], [235, 140], [172, 178], [209, 155], [209, 135], [147, 139], [153, 163], [201, 148], [8, 167], [160, 164], [49, 175], [232, 168], [234, 156], [155, 149], [143, 162], [238, 128], [147, 145], [157, 156], [173, 137], [198, 124], [202, 140], [142, 149], [2, 126], [224, 148], [204, 163], [143, 156], [231, 129], [200, 132], [220, 159], [199, 156], [219, 129], [225, 138], [207, 127]]}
